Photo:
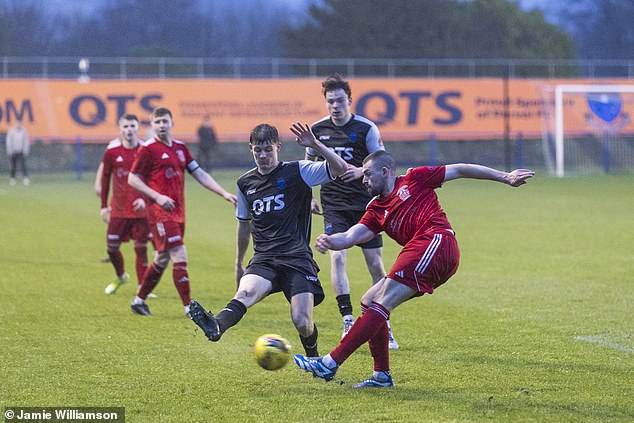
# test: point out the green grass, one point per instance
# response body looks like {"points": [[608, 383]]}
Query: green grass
{"points": [[541, 266]]}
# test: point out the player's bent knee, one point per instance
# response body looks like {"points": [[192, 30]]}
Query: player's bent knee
{"points": [[112, 247], [161, 259], [178, 254]]}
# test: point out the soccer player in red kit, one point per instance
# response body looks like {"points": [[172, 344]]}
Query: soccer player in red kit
{"points": [[407, 209], [126, 216], [158, 172]]}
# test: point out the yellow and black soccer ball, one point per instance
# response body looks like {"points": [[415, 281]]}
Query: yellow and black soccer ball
{"points": [[271, 351]]}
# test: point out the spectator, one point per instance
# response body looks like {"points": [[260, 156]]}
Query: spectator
{"points": [[206, 142], [18, 145]]}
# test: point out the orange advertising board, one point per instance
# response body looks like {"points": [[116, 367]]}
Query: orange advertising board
{"points": [[404, 109]]}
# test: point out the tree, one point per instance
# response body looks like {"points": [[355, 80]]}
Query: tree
{"points": [[425, 29], [603, 29], [18, 19]]}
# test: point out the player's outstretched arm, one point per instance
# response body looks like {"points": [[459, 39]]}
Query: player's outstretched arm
{"points": [[210, 183], [514, 178], [306, 138], [357, 234]]}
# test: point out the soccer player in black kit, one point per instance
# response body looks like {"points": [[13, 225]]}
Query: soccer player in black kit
{"points": [[343, 200], [274, 201]]}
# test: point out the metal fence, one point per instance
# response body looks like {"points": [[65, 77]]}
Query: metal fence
{"points": [[241, 67]]}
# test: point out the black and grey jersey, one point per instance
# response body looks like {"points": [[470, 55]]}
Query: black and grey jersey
{"points": [[278, 205], [352, 142]]}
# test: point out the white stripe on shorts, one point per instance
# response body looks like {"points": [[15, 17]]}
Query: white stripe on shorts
{"points": [[160, 228], [429, 253]]}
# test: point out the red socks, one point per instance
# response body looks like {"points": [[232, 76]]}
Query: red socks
{"points": [[116, 258], [141, 262], [150, 280], [373, 324], [181, 281]]}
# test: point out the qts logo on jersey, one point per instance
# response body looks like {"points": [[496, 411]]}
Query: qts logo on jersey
{"points": [[264, 205], [343, 152]]}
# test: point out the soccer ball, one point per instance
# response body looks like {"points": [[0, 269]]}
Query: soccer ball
{"points": [[271, 351]]}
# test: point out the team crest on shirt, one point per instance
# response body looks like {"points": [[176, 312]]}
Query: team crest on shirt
{"points": [[403, 193], [119, 159], [170, 173], [281, 183], [181, 155], [353, 136]]}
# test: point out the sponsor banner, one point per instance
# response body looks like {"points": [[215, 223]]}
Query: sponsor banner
{"points": [[404, 109]]}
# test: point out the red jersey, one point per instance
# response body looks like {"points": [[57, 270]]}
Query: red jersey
{"points": [[117, 162], [411, 208], [162, 168]]}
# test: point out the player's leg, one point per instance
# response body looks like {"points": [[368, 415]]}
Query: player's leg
{"points": [[151, 278], [302, 306], [25, 173], [336, 221], [115, 235], [116, 258], [155, 270], [388, 295], [379, 348], [253, 288], [341, 287], [140, 235], [424, 264], [14, 165], [180, 275], [304, 291], [374, 261]]}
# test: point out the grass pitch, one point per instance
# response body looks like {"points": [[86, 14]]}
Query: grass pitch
{"points": [[536, 325]]}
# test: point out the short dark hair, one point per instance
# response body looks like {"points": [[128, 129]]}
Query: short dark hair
{"points": [[264, 134], [129, 116], [381, 158], [335, 82], [161, 111]]}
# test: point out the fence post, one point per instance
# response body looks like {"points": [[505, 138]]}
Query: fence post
{"points": [[433, 150], [78, 158], [519, 151], [605, 138]]}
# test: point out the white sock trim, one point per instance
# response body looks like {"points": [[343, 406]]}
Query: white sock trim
{"points": [[329, 362]]}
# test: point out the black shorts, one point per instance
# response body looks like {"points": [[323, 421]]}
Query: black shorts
{"points": [[291, 276], [336, 221]]}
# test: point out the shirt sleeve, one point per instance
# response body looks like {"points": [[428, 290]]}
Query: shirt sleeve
{"points": [[242, 209], [191, 163], [370, 220], [373, 141], [105, 178], [315, 173], [431, 176], [142, 164]]}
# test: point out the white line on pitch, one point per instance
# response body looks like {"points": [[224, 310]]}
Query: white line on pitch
{"points": [[600, 340]]}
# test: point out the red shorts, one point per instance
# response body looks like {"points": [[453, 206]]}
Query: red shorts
{"points": [[123, 230], [167, 235], [427, 261]]}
